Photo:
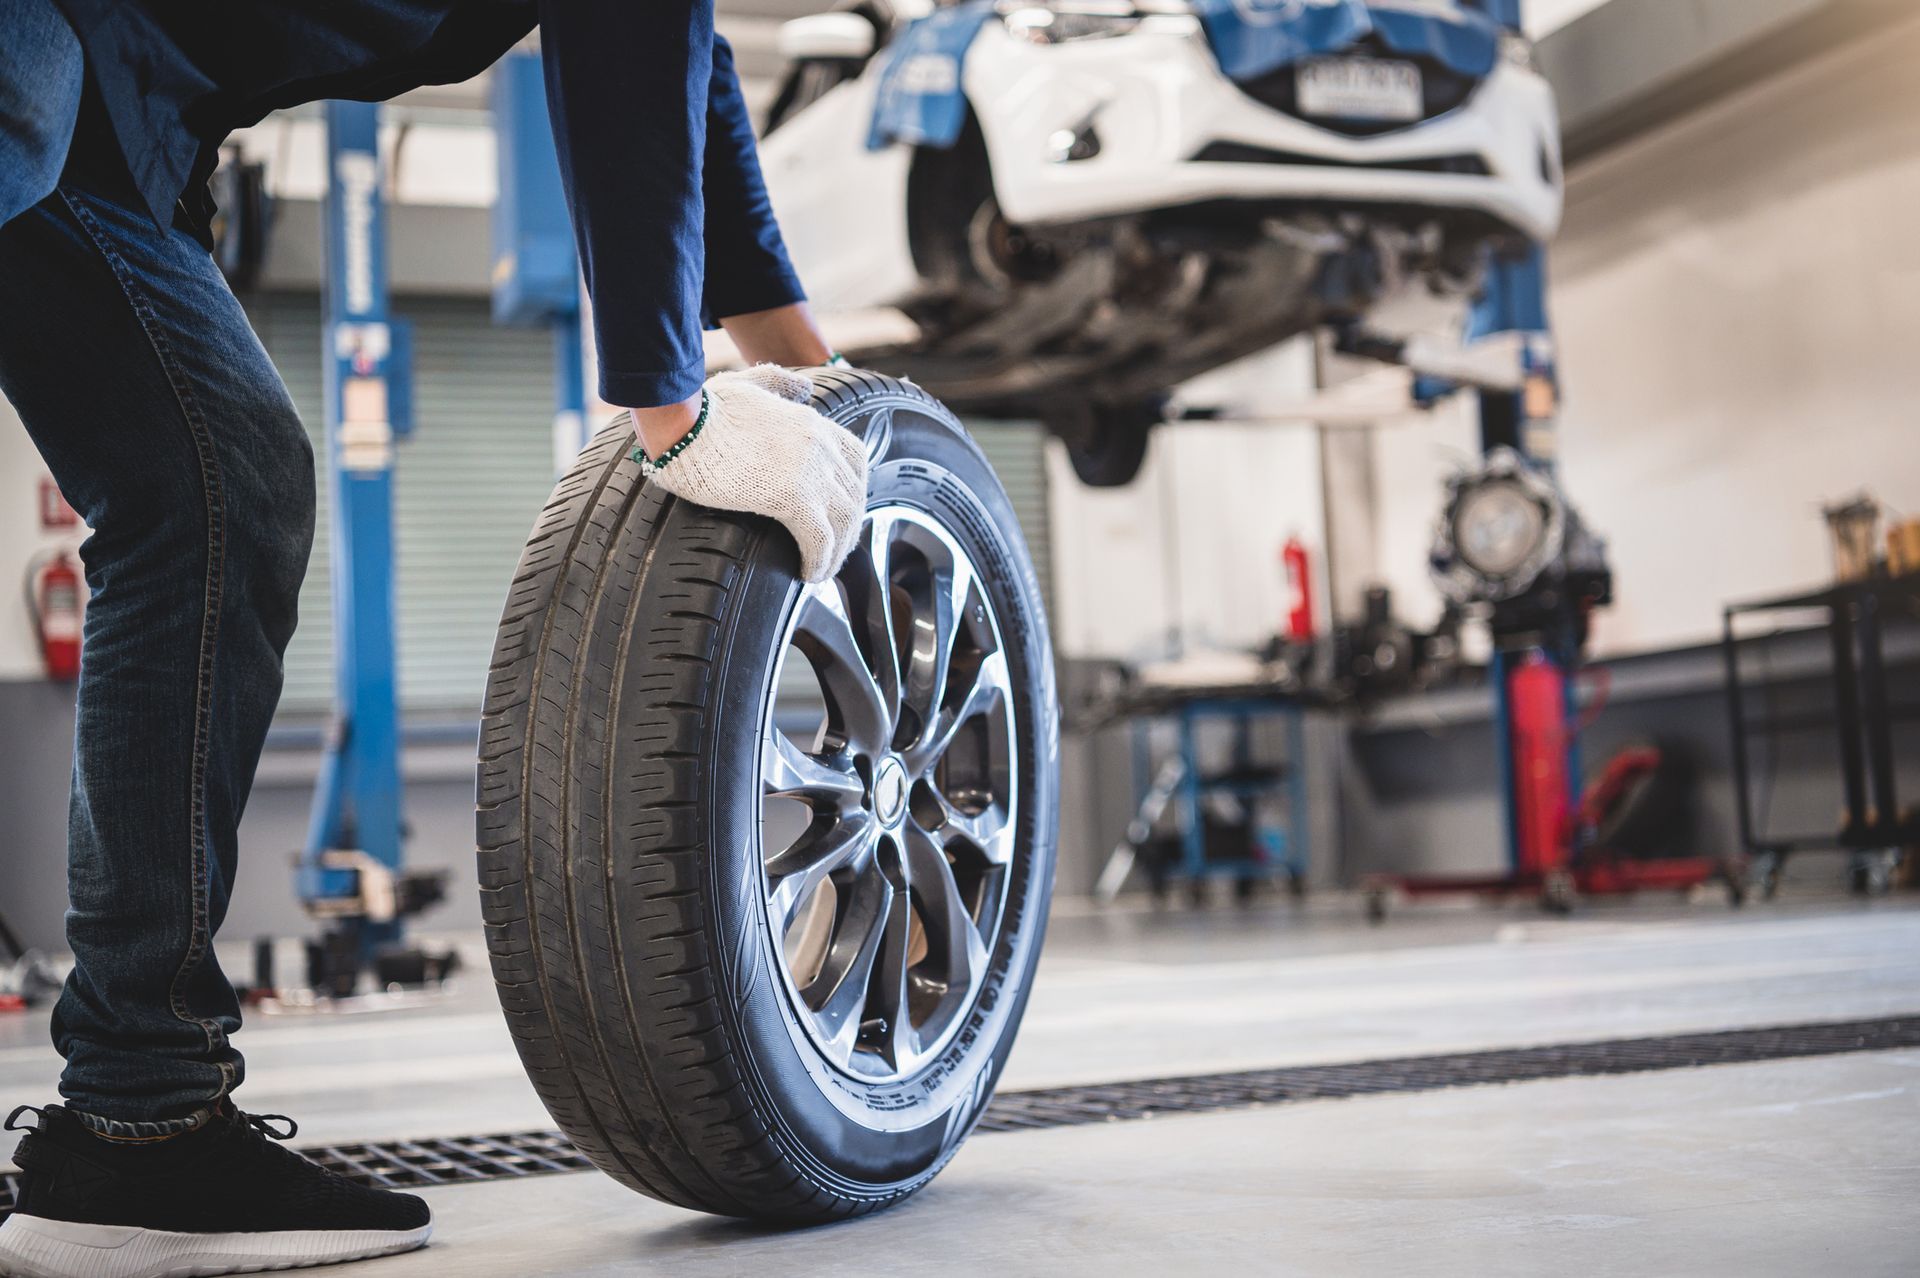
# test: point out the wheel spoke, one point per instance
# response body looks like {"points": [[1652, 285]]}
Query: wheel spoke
{"points": [[938, 615], [825, 633], [989, 682], [838, 996], [868, 578], [899, 1042], [945, 912], [788, 772], [797, 871], [986, 830]]}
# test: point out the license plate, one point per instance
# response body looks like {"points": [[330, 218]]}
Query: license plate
{"points": [[1376, 89]]}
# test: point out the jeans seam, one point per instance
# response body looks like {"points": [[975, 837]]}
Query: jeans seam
{"points": [[214, 497]]}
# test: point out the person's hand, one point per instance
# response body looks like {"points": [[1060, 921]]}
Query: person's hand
{"points": [[763, 450]]}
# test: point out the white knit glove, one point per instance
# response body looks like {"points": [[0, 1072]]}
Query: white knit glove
{"points": [[765, 451]]}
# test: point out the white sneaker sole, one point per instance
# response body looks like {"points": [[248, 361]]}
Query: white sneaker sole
{"points": [[35, 1247]]}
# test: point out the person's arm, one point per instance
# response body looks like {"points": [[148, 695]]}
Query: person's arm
{"points": [[752, 290], [784, 335], [627, 89]]}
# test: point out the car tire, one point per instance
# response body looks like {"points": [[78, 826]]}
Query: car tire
{"points": [[1107, 443], [630, 752]]}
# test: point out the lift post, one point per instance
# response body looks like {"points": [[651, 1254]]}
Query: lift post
{"points": [[536, 273], [350, 872], [1534, 665]]}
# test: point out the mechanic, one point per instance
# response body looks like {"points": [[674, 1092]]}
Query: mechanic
{"points": [[158, 412]]}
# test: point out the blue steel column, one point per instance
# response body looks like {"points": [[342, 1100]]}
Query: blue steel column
{"points": [[536, 275], [1515, 301], [358, 804]]}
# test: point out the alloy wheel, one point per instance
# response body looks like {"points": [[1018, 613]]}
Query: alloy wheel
{"points": [[889, 797]]}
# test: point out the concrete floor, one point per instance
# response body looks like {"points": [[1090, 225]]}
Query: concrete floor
{"points": [[1780, 1168]]}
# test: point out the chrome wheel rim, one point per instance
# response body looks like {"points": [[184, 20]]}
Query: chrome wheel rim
{"points": [[889, 798]]}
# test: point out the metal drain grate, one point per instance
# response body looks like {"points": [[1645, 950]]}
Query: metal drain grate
{"points": [[1215, 1093], [412, 1164]]}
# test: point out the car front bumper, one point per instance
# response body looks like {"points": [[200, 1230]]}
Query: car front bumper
{"points": [[1155, 99]]}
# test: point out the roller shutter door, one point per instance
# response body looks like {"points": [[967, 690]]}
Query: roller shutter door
{"points": [[1018, 453]]}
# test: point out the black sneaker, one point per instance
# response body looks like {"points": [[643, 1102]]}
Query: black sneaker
{"points": [[222, 1199]]}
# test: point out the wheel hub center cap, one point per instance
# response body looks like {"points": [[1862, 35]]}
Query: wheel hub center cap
{"points": [[890, 792]]}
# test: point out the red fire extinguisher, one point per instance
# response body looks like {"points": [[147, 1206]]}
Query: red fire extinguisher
{"points": [[1299, 591], [55, 597]]}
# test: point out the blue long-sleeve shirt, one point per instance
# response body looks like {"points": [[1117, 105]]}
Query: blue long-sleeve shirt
{"points": [[654, 152], [656, 149]]}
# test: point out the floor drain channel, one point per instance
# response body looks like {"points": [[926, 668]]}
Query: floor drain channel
{"points": [[412, 1164], [1216, 1093]]}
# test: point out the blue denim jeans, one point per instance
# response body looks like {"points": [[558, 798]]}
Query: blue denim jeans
{"points": [[155, 407]]}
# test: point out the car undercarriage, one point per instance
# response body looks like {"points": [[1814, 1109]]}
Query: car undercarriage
{"points": [[1089, 326]]}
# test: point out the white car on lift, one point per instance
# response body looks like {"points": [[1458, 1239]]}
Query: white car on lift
{"points": [[1083, 203]]}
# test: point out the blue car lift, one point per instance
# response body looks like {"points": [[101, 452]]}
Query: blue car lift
{"points": [[351, 871], [536, 274]]}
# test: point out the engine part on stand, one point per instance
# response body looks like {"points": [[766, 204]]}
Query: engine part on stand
{"points": [[1510, 543]]}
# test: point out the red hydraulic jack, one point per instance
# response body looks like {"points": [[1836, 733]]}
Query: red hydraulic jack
{"points": [[1547, 819]]}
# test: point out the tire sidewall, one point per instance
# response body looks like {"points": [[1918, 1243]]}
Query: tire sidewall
{"points": [[868, 1139]]}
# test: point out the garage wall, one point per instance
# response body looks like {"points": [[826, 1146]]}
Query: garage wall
{"points": [[1737, 296], [1186, 559]]}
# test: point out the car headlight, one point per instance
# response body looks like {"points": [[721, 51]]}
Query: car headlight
{"points": [[1065, 22]]}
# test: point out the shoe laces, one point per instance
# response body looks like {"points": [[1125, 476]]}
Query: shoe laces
{"points": [[258, 1126], [13, 1123], [264, 1124]]}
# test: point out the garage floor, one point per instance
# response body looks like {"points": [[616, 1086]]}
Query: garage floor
{"points": [[1786, 1167]]}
